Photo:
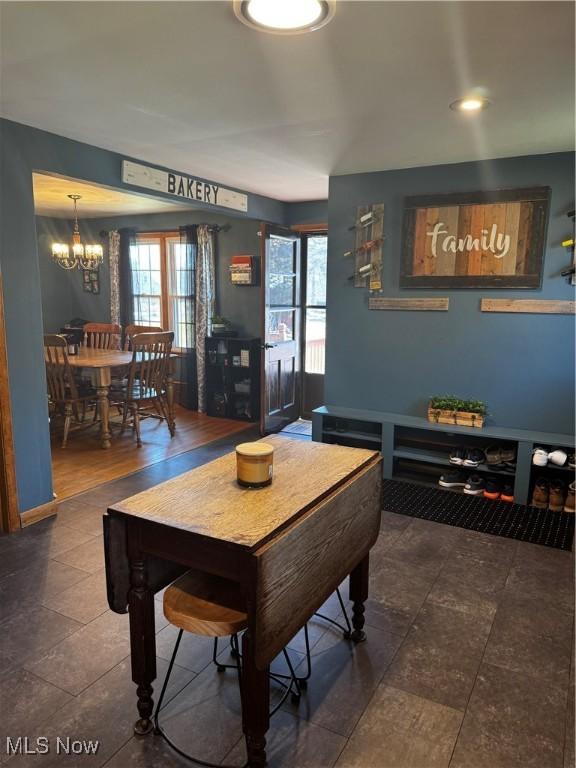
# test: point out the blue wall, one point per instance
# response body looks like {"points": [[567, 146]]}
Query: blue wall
{"points": [[24, 150], [521, 365]]}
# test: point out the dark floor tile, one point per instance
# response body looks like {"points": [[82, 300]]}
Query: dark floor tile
{"points": [[84, 601], [27, 701], [88, 557], [535, 556], [511, 723], [84, 519], [487, 546], [570, 737], [32, 632], [104, 712], [478, 571], [440, 656], [464, 598], [396, 593], [532, 640], [79, 660], [542, 583], [194, 652], [294, 743], [344, 677], [424, 546], [29, 587], [400, 730]]}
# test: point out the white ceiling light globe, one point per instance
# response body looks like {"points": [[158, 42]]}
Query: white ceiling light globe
{"points": [[284, 14]]}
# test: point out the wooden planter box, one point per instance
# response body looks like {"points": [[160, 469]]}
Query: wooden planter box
{"points": [[463, 418]]}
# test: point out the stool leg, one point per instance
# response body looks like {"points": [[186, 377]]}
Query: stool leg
{"points": [[297, 693], [167, 678]]}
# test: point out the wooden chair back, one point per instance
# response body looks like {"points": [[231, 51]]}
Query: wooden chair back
{"points": [[150, 361], [102, 335], [132, 330], [59, 375]]}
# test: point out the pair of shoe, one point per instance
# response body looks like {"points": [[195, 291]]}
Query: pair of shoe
{"points": [[541, 457], [474, 485], [553, 495], [467, 457], [500, 455]]}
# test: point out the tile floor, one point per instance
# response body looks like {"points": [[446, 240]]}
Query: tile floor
{"points": [[469, 661]]}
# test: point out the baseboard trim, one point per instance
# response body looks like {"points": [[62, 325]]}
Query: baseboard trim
{"points": [[34, 515]]}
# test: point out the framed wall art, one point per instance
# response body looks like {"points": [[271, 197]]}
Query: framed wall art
{"points": [[91, 281], [475, 240]]}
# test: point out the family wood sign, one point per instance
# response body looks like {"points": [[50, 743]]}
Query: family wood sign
{"points": [[477, 239]]}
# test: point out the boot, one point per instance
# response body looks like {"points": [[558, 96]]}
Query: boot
{"points": [[569, 504], [541, 494], [557, 496]]}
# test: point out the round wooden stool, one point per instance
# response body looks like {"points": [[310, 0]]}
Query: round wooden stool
{"points": [[212, 606]]}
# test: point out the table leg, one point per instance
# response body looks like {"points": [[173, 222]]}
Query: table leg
{"points": [[102, 384], [142, 641], [358, 595], [255, 705], [170, 401]]}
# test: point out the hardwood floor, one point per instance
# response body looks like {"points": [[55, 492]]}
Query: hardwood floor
{"points": [[83, 464]]}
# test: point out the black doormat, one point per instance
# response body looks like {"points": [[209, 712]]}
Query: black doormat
{"points": [[514, 521]]}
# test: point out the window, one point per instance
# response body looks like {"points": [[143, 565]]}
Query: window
{"points": [[315, 309], [163, 285]]}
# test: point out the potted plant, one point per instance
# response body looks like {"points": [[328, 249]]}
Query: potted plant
{"points": [[448, 409], [220, 325]]}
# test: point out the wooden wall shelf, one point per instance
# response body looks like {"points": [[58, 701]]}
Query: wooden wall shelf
{"points": [[529, 306], [431, 305]]}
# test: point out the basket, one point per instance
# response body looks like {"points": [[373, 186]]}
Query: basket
{"points": [[462, 418]]}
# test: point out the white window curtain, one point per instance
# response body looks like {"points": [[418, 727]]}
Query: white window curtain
{"points": [[205, 299]]}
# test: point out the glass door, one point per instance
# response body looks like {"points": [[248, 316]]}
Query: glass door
{"points": [[315, 261], [281, 328]]}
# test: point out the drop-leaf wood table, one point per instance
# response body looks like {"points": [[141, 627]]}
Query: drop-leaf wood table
{"points": [[289, 545]]}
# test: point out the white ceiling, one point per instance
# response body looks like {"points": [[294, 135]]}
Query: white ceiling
{"points": [[51, 199], [185, 85]]}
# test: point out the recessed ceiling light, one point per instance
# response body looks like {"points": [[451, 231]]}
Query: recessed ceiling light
{"points": [[470, 104], [284, 17]]}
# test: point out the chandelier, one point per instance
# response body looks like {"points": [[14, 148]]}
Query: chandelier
{"points": [[83, 256]]}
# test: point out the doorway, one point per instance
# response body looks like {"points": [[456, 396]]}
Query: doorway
{"points": [[293, 325]]}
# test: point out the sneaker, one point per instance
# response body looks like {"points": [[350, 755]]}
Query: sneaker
{"points": [[453, 479], [493, 489], [507, 493], [457, 456], [541, 494], [569, 504], [474, 486], [572, 461], [539, 457], [557, 496], [474, 457], [558, 457]]}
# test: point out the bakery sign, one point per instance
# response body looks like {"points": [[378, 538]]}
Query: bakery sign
{"points": [[477, 239], [182, 186]]}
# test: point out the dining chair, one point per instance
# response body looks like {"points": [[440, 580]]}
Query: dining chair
{"points": [[65, 393], [132, 330], [146, 383], [102, 335], [211, 606]]}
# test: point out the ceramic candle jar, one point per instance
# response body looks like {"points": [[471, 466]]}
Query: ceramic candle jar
{"points": [[254, 464]]}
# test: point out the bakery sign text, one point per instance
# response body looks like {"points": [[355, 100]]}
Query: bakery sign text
{"points": [[182, 186]]}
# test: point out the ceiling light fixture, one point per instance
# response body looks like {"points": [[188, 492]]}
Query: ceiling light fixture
{"points": [[82, 256], [284, 17], [470, 104]]}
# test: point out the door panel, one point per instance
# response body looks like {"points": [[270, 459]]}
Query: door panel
{"points": [[280, 257]]}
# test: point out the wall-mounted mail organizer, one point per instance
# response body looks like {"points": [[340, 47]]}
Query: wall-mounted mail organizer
{"points": [[242, 270], [367, 251]]}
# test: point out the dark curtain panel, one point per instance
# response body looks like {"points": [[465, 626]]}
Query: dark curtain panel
{"points": [[183, 282], [127, 238]]}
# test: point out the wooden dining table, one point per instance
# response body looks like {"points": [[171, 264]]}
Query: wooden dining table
{"points": [[99, 363], [288, 545]]}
